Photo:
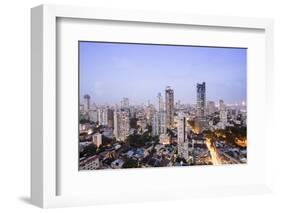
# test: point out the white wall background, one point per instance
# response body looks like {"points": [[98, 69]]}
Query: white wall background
{"points": [[15, 103]]}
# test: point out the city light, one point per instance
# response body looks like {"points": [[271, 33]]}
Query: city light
{"points": [[214, 155], [240, 142]]}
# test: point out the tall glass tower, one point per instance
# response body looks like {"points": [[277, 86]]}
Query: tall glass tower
{"points": [[201, 100]]}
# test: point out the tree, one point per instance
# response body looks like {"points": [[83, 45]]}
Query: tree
{"points": [[130, 163], [149, 128], [135, 140], [84, 120], [106, 140], [88, 151]]}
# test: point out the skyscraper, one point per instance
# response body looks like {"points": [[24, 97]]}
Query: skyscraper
{"points": [[103, 115], [160, 102], [125, 103], [161, 115], [155, 124], [169, 96], [221, 105], [182, 137], [110, 117], [124, 124], [116, 119], [223, 116], [87, 99], [181, 128], [201, 100], [211, 107], [162, 122], [93, 115], [149, 112]]}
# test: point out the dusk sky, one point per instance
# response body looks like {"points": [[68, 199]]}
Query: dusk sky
{"points": [[111, 71]]}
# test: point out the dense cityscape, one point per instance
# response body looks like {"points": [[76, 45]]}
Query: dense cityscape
{"points": [[169, 133]]}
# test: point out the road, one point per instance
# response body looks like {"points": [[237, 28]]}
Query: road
{"points": [[213, 152]]}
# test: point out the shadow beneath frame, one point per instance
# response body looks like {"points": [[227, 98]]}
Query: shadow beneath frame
{"points": [[26, 199]]}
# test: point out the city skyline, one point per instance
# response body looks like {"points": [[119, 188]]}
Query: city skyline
{"points": [[108, 65], [147, 106], [129, 137]]}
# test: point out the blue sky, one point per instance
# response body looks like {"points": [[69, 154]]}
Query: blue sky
{"points": [[111, 71]]}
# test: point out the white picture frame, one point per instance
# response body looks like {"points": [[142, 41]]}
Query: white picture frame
{"points": [[44, 153]]}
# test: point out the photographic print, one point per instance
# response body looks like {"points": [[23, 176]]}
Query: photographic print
{"points": [[156, 105]]}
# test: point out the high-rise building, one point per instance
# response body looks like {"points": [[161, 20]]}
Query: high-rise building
{"points": [[99, 115], [181, 128], [155, 124], [97, 139], [162, 123], [103, 115], [93, 115], [159, 117], [182, 137], [200, 121], [211, 107], [223, 114], [116, 129], [201, 100], [160, 102], [141, 120], [221, 105], [110, 118], [223, 117], [124, 124], [169, 99], [132, 112], [121, 123], [125, 103], [87, 102], [149, 112]]}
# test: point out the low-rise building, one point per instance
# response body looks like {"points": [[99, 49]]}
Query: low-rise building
{"points": [[117, 164], [84, 127], [164, 139], [90, 163]]}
